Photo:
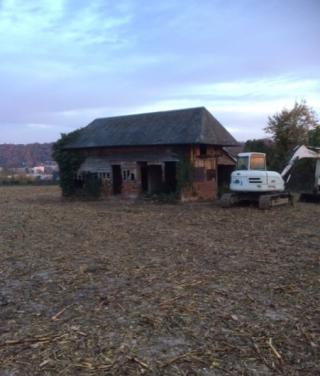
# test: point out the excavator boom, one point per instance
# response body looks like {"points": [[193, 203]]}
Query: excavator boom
{"points": [[300, 152], [303, 152]]}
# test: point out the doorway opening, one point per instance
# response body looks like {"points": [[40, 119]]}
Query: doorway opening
{"points": [[117, 179], [224, 175], [155, 179], [170, 175], [144, 176]]}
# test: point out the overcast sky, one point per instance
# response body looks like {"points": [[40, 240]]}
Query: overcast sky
{"points": [[65, 62]]}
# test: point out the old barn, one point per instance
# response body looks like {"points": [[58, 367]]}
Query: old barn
{"points": [[137, 154]]}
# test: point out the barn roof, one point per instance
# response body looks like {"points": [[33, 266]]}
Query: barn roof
{"points": [[187, 126]]}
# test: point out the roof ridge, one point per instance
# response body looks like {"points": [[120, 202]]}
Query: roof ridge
{"points": [[152, 112]]}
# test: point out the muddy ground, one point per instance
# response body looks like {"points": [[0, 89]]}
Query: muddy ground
{"points": [[122, 288]]}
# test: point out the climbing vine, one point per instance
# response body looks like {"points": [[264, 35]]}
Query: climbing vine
{"points": [[68, 161], [185, 171]]}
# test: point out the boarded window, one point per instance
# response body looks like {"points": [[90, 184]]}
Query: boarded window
{"points": [[199, 174], [211, 174], [203, 150], [128, 175]]}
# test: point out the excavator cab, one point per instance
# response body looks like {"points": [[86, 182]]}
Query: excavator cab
{"points": [[252, 182]]}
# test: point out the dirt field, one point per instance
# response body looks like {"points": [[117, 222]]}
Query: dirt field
{"points": [[114, 288]]}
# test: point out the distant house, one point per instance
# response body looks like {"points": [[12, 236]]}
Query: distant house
{"points": [[38, 169], [138, 154]]}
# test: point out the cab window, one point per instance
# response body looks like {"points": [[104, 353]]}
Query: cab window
{"points": [[242, 163], [258, 162]]}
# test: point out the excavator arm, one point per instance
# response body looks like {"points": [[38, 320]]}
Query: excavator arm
{"points": [[302, 152]]}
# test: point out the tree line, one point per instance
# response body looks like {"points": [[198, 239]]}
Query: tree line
{"points": [[28, 155], [288, 129]]}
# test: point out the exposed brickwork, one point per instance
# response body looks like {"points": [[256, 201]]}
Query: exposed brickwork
{"points": [[106, 188], [204, 186], [200, 191], [130, 189], [206, 190]]}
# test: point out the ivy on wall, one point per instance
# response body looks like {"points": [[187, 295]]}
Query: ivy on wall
{"points": [[68, 161], [185, 172]]}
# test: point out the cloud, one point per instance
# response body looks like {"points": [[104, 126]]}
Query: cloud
{"points": [[55, 24], [39, 126], [65, 62], [276, 87], [244, 97]]}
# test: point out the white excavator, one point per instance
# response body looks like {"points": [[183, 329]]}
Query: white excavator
{"points": [[252, 182]]}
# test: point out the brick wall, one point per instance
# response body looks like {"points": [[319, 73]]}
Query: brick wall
{"points": [[106, 188], [204, 186], [199, 191], [206, 190], [130, 189]]}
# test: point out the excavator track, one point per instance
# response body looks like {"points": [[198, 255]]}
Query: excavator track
{"points": [[267, 201], [228, 199]]}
